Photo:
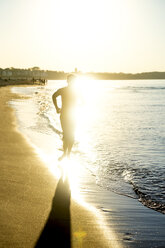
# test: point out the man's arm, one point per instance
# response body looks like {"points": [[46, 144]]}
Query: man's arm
{"points": [[54, 96]]}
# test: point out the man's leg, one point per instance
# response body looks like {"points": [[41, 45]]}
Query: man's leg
{"points": [[70, 145], [65, 146], [70, 141], [64, 150]]}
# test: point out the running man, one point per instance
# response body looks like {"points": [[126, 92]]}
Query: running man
{"points": [[67, 118]]}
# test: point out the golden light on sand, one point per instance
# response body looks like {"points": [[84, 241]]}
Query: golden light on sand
{"points": [[68, 169], [72, 170]]}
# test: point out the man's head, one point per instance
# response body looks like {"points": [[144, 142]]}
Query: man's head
{"points": [[71, 78]]}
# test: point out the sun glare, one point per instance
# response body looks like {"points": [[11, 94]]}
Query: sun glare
{"points": [[86, 112], [69, 168], [72, 169], [83, 31]]}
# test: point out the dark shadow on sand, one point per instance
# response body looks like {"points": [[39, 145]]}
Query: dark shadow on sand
{"points": [[57, 230]]}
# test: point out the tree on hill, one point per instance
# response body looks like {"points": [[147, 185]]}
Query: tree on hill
{"points": [[35, 68]]}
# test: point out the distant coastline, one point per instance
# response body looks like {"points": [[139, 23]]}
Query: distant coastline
{"points": [[37, 76], [128, 76], [6, 82]]}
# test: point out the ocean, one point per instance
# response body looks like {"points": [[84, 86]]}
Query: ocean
{"points": [[120, 137]]}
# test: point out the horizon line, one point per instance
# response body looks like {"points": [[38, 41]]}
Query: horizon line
{"points": [[106, 72]]}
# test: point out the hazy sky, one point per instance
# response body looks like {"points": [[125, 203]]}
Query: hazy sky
{"points": [[92, 35]]}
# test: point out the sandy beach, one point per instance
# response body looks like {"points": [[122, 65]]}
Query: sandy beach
{"points": [[37, 210]]}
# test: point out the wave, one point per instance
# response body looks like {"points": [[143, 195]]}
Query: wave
{"points": [[142, 88], [50, 124], [148, 202]]}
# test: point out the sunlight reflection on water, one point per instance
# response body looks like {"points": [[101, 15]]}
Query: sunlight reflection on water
{"points": [[119, 136]]}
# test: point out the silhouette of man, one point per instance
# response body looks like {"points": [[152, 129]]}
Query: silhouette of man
{"points": [[67, 110]]}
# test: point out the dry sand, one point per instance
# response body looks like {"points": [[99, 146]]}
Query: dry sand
{"points": [[35, 208]]}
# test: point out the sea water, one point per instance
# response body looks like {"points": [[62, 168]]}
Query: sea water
{"points": [[120, 135]]}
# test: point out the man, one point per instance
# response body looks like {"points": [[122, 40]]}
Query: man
{"points": [[67, 110]]}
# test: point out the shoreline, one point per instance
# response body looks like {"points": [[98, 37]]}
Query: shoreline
{"points": [[33, 140], [122, 214], [28, 194], [21, 82]]}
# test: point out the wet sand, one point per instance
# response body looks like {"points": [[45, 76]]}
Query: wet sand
{"points": [[37, 210]]}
